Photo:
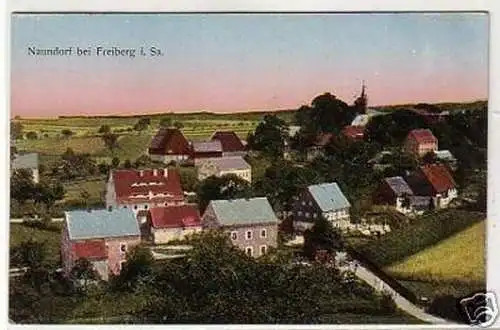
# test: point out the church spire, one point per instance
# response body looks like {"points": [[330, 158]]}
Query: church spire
{"points": [[361, 103]]}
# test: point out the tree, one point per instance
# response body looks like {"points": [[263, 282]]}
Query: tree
{"points": [[166, 122], [84, 271], [22, 187], [115, 162], [16, 130], [142, 124], [142, 161], [137, 268], [228, 186], [30, 253], [322, 236], [127, 164], [269, 137], [104, 129], [67, 133], [178, 125], [103, 168], [31, 135], [110, 140], [189, 180], [48, 193]]}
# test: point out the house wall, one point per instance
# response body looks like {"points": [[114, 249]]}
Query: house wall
{"points": [[384, 195], [234, 153], [257, 241], [36, 175], [413, 147], [169, 158], [214, 154], [101, 266], [245, 174], [67, 262], [443, 200], [115, 255], [165, 235]]}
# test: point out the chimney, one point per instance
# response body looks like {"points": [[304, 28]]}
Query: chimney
{"points": [[155, 172], [165, 172]]}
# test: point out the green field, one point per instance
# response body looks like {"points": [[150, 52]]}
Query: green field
{"points": [[456, 258], [21, 233]]}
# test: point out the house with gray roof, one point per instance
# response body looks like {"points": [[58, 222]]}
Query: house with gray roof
{"points": [[101, 236], [445, 156], [251, 224], [322, 200], [26, 161], [396, 192], [221, 166]]}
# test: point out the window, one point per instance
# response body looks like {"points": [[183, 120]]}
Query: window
{"points": [[300, 213], [303, 203], [249, 251], [307, 214], [310, 203], [234, 235], [315, 215], [263, 233], [135, 207], [263, 249], [124, 206], [145, 207], [122, 263], [249, 234], [123, 247]]}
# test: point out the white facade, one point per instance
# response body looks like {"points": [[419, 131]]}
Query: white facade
{"points": [[169, 158], [165, 235], [443, 202]]}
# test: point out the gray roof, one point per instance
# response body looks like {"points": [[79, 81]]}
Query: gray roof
{"points": [[228, 163], [83, 224], [399, 185], [21, 161], [329, 197], [445, 155], [243, 211], [207, 146]]}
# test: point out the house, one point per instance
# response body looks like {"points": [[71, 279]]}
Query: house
{"points": [[231, 143], [173, 223], [208, 149], [168, 145], [396, 192], [287, 150], [322, 200], [434, 181], [431, 117], [250, 223], [446, 157], [225, 165], [26, 161], [143, 189], [319, 144], [419, 142], [101, 236], [353, 133]]}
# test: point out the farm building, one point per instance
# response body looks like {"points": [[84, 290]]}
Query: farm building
{"points": [[168, 145], [419, 142], [323, 200], [226, 165], [101, 236], [396, 192], [434, 181], [250, 223], [144, 189], [231, 143], [173, 223], [207, 149]]}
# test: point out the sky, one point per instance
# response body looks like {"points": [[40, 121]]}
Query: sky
{"points": [[244, 62]]}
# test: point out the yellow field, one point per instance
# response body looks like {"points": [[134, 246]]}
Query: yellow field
{"points": [[460, 257]]}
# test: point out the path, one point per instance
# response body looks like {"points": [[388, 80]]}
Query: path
{"points": [[403, 303]]}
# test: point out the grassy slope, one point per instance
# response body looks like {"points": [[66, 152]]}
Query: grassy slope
{"points": [[456, 258], [20, 233]]}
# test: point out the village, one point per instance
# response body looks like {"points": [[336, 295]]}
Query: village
{"points": [[150, 207]]}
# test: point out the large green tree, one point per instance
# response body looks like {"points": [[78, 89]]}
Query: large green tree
{"points": [[269, 137], [228, 186]]}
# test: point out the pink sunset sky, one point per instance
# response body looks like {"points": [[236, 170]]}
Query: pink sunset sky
{"points": [[226, 63]]}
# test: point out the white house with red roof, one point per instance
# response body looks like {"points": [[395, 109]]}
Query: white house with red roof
{"points": [[173, 223], [144, 189], [435, 181], [419, 142]]}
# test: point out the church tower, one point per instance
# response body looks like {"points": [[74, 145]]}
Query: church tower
{"points": [[361, 103]]}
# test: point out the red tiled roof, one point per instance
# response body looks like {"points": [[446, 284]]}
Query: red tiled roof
{"points": [[175, 217], [149, 183], [323, 139], [439, 177], [353, 132], [90, 250], [169, 141], [422, 136], [229, 140]]}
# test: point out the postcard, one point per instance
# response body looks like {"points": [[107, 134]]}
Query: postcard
{"points": [[249, 168]]}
